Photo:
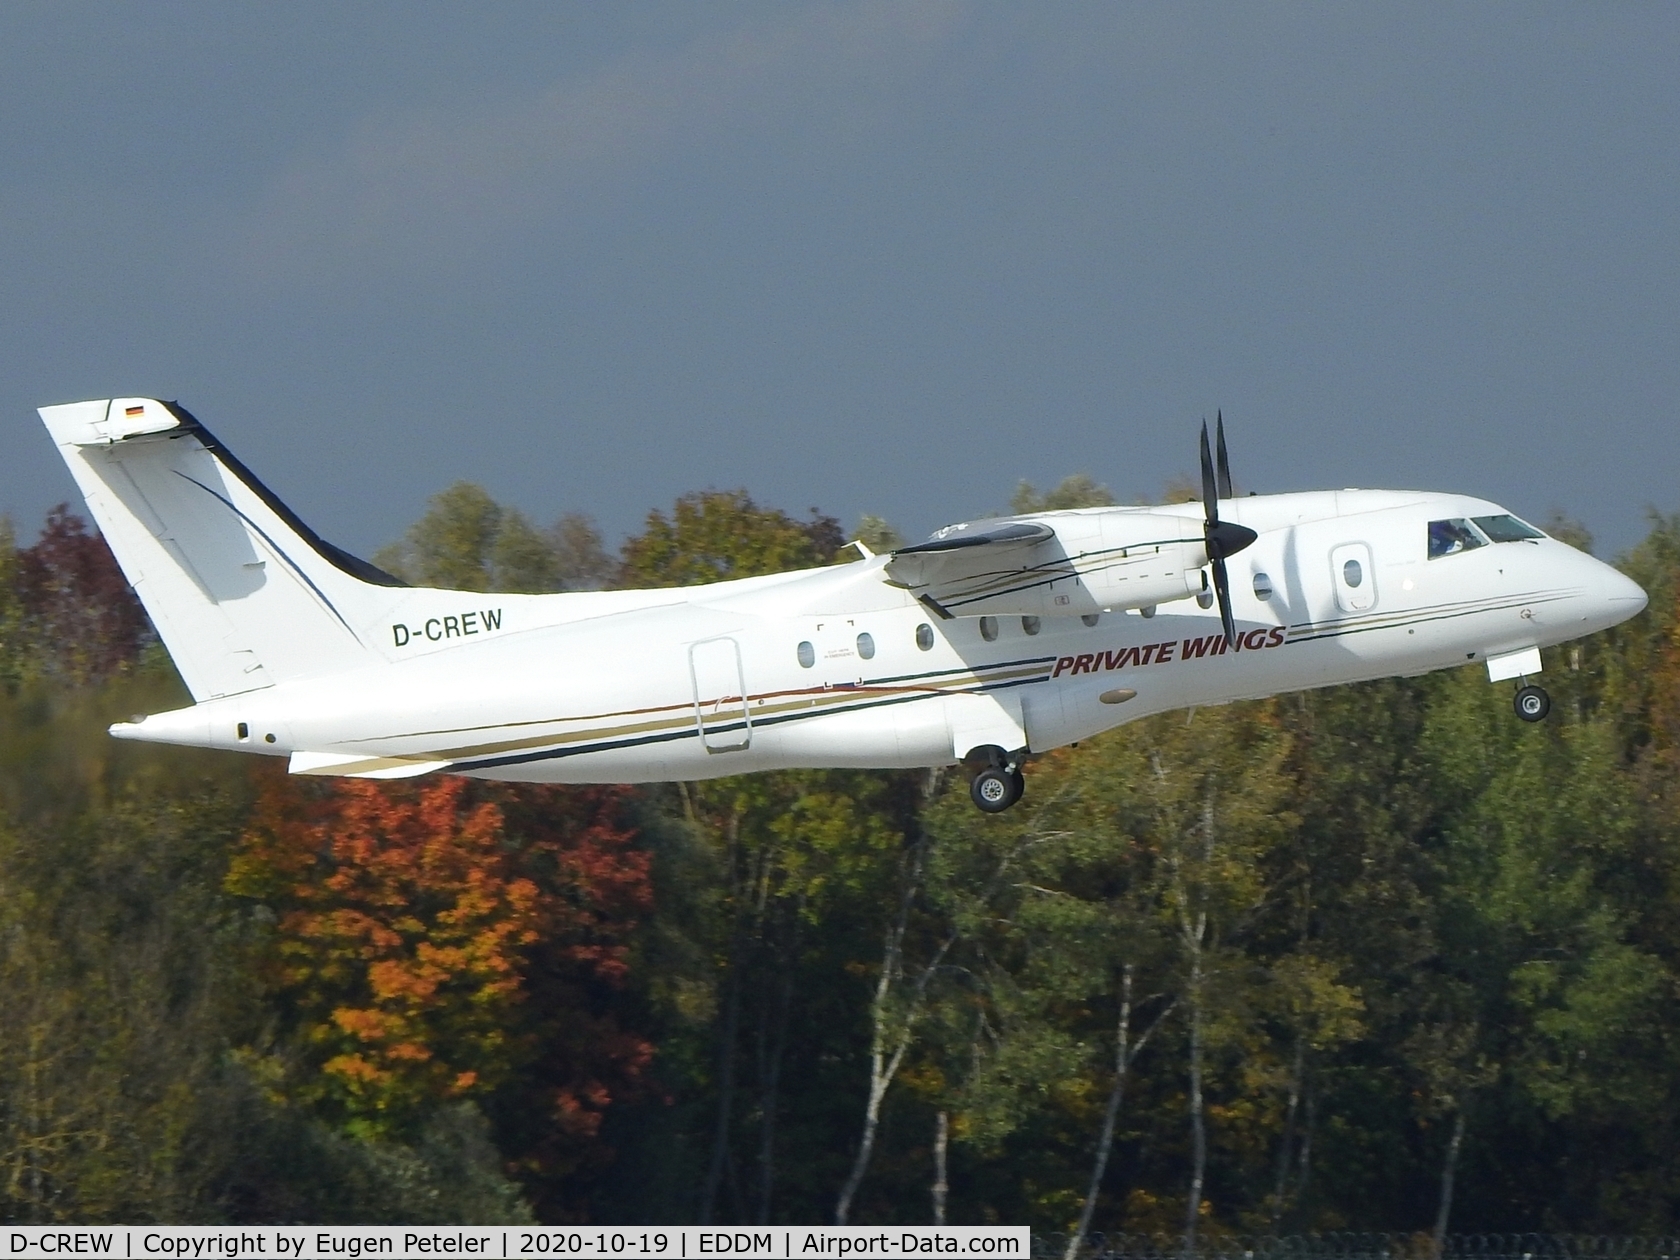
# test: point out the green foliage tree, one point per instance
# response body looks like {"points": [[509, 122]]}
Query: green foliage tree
{"points": [[581, 562], [878, 535], [469, 542], [719, 534], [1077, 490]]}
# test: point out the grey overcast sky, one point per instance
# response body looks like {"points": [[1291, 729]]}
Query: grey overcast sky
{"points": [[877, 258]]}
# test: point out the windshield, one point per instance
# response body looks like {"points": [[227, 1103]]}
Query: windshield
{"points": [[1448, 538], [1506, 528]]}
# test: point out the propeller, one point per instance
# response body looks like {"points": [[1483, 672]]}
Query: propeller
{"points": [[1222, 461], [1224, 538]]}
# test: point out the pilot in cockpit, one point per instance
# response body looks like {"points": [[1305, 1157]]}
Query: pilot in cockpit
{"points": [[1447, 538]]}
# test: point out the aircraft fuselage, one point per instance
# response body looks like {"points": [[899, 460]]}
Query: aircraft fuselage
{"points": [[844, 667]]}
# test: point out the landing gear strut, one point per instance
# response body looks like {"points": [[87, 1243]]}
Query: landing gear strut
{"points": [[1532, 703], [999, 785]]}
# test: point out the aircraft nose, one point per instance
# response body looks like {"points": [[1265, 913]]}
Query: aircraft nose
{"points": [[1624, 597]]}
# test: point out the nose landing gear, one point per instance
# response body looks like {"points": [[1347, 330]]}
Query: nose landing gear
{"points": [[1000, 784], [1532, 703]]}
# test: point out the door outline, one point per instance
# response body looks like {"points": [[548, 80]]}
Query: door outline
{"points": [[1353, 599], [721, 715]]}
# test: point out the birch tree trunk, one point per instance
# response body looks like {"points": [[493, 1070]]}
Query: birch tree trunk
{"points": [[770, 1073], [941, 1183], [1195, 938], [887, 1047], [1449, 1168], [1280, 1191], [726, 1036], [884, 1062], [1198, 1124], [1124, 1055]]}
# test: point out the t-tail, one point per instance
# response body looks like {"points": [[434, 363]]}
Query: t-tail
{"points": [[243, 593]]}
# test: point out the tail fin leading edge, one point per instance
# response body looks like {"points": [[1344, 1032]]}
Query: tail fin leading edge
{"points": [[243, 594]]}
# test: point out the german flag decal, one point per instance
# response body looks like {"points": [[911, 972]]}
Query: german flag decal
{"points": [[134, 411]]}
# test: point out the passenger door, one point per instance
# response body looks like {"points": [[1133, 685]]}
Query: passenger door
{"points": [[720, 695], [1354, 576]]}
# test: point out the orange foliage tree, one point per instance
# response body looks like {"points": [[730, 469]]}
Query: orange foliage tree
{"points": [[442, 939]]}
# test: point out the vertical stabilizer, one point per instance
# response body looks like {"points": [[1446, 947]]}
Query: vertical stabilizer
{"points": [[243, 594]]}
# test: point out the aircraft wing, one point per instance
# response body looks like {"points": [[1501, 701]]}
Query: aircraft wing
{"points": [[1014, 534], [965, 564]]}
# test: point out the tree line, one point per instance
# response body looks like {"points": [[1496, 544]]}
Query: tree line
{"points": [[1374, 957]]}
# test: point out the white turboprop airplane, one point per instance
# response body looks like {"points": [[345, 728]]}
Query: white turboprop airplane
{"points": [[991, 641]]}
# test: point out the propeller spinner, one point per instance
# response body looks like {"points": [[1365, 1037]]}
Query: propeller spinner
{"points": [[1224, 538]]}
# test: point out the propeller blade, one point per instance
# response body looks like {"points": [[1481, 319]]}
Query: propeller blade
{"points": [[1224, 462], [1210, 489], [1223, 538], [1222, 592]]}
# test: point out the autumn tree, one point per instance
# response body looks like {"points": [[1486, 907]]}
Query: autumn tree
{"points": [[67, 610], [438, 941]]}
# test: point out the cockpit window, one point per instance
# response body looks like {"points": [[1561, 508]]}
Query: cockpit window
{"points": [[1448, 538], [1506, 528]]}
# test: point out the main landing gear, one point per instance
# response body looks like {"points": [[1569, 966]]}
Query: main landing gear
{"points": [[1000, 784], [1532, 703]]}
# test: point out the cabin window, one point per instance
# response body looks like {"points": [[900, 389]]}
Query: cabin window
{"points": [[1506, 528], [924, 636], [1352, 573], [988, 629], [244, 730], [866, 646], [1031, 625], [1448, 538], [1091, 619], [807, 654], [1263, 587]]}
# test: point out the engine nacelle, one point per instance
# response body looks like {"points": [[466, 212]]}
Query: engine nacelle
{"points": [[1095, 562]]}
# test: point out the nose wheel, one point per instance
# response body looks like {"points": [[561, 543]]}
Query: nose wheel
{"points": [[1532, 703]]}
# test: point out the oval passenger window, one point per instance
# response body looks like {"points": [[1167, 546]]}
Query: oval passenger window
{"points": [[988, 628], [807, 654], [1030, 624], [1091, 619], [924, 636], [866, 645], [1263, 585], [1352, 574]]}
